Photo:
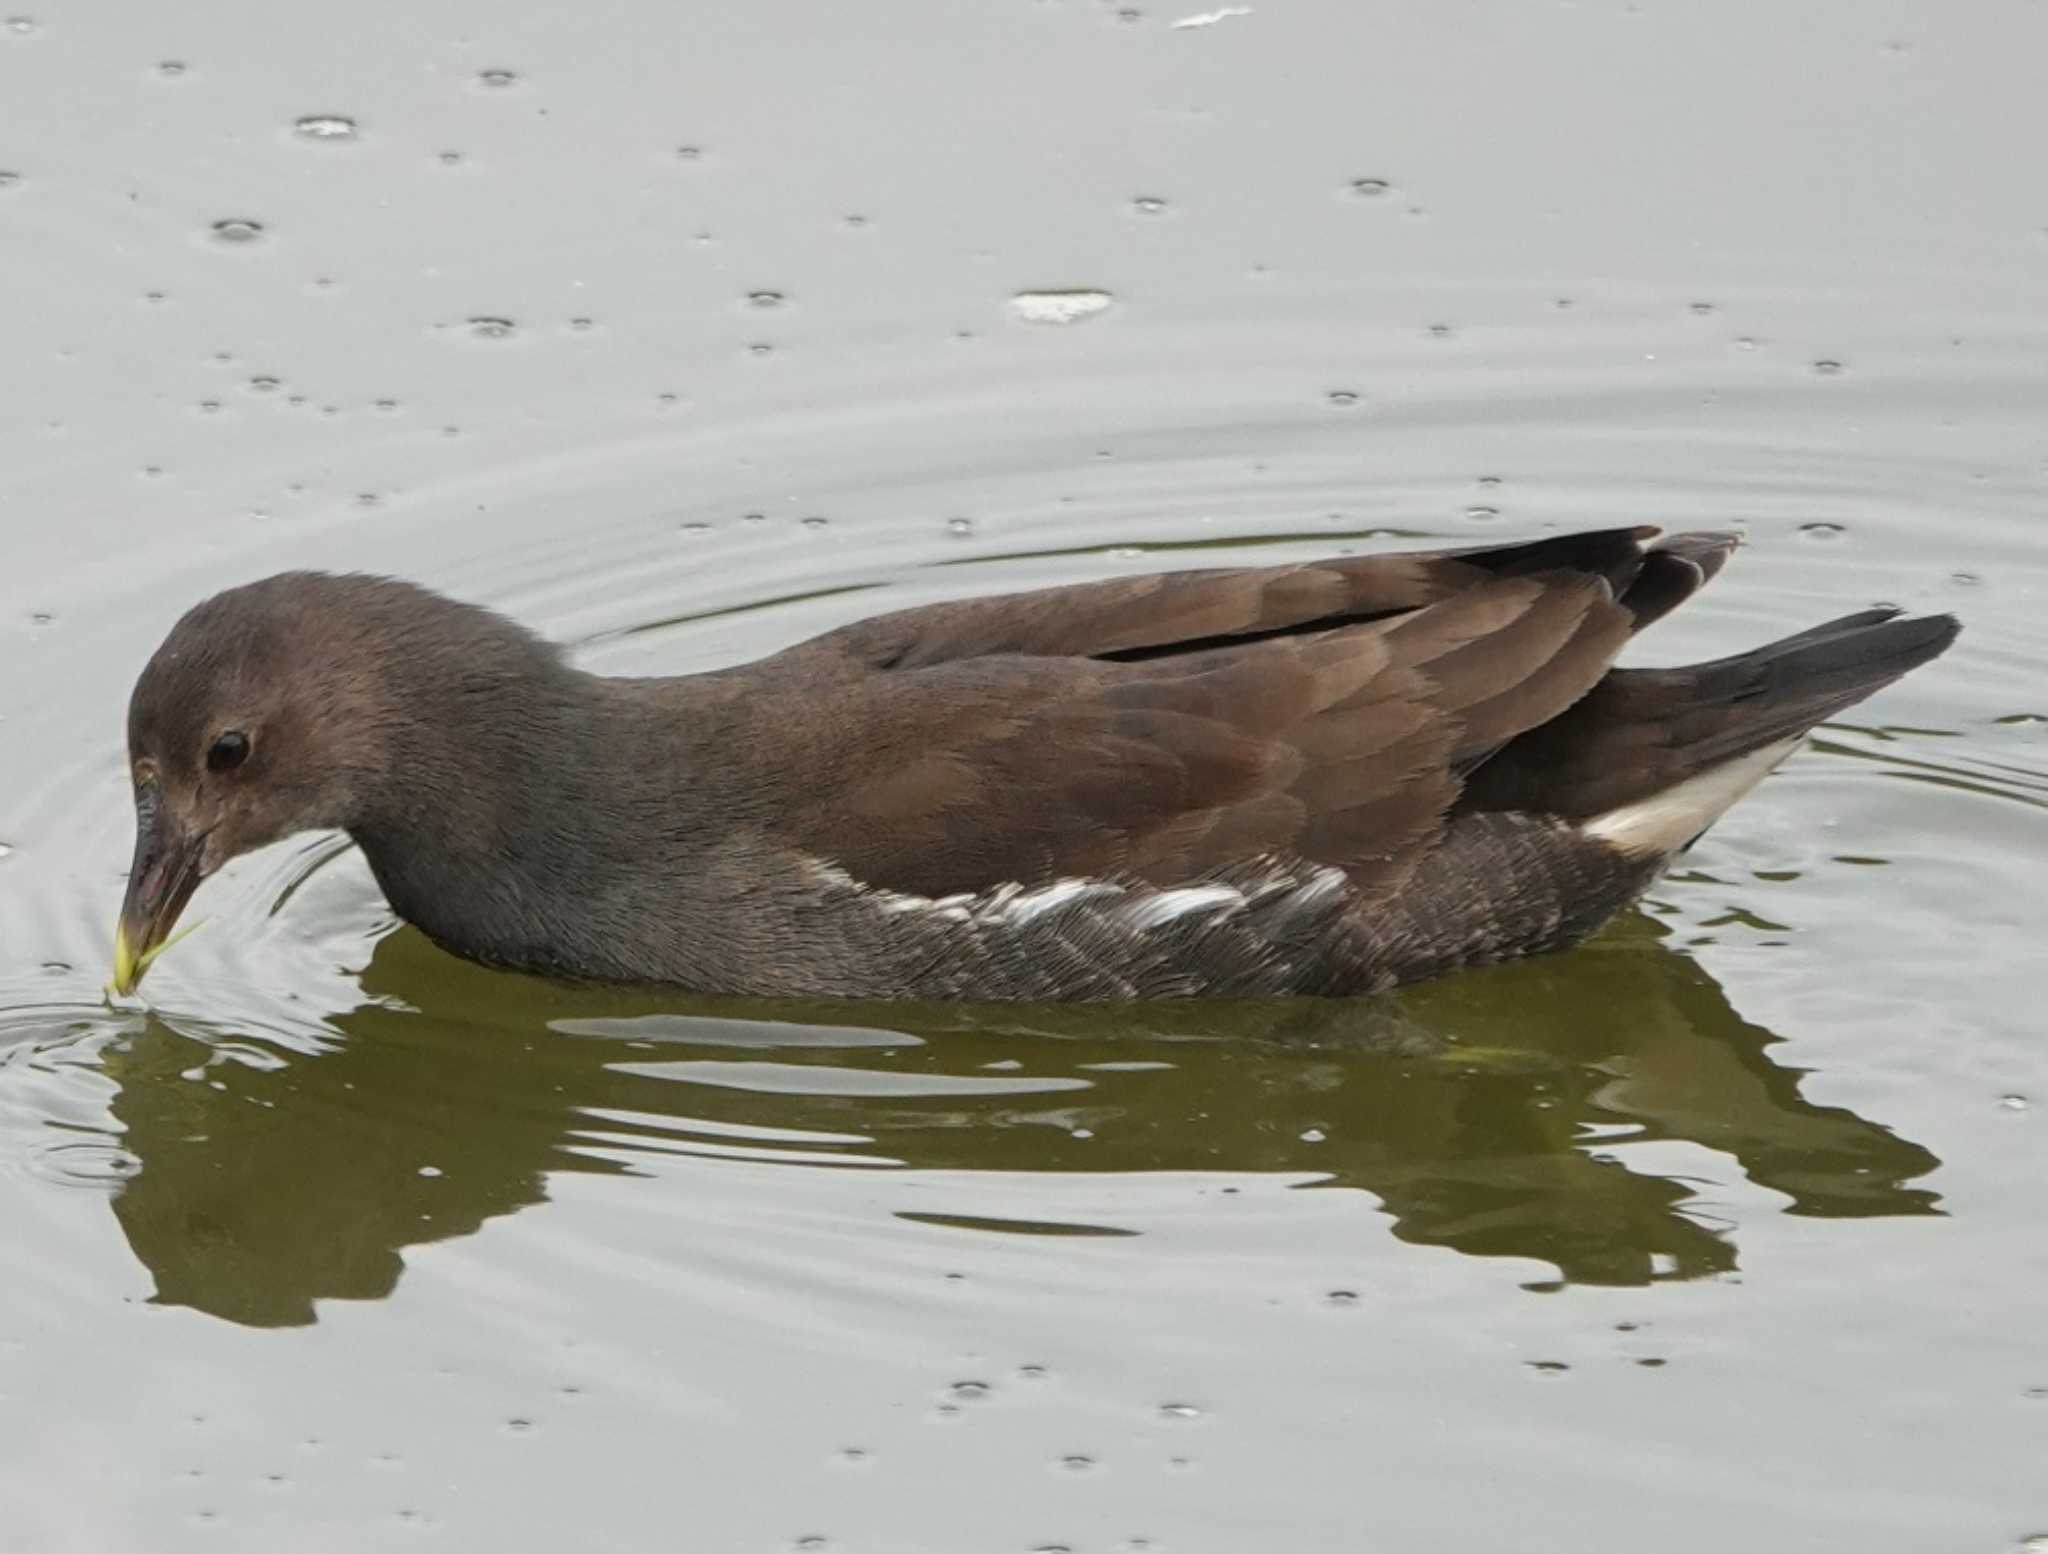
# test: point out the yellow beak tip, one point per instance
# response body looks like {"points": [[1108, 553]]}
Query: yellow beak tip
{"points": [[127, 969]]}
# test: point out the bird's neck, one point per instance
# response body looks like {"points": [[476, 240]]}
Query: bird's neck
{"points": [[521, 823]]}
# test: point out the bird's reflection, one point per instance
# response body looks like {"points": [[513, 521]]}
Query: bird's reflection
{"points": [[1490, 1113]]}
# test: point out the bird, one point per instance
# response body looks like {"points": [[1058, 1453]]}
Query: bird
{"points": [[1324, 778]]}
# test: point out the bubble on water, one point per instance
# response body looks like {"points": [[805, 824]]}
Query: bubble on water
{"points": [[385, 405], [21, 24], [497, 78], [1547, 1367], [1827, 368], [1370, 188], [450, 158], [1060, 307], [1651, 1363], [519, 1426], [765, 299], [689, 153], [1313, 1135], [1490, 482], [327, 127], [760, 348], [1342, 1297], [582, 325], [209, 406], [1482, 514], [1823, 532], [969, 1391], [667, 401], [1180, 1411], [856, 220], [1076, 1462], [1148, 205], [488, 326], [1032, 1372], [9, 179], [695, 526], [811, 1541], [2014, 1102], [430, 1171], [156, 296], [1440, 331], [237, 229], [960, 528], [266, 385], [815, 522], [171, 67], [5, 849], [1222, 13], [1342, 397], [1701, 308]]}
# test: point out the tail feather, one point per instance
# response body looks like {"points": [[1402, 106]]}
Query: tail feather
{"points": [[1758, 698], [1680, 745]]}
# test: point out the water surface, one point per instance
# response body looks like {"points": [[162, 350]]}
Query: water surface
{"points": [[684, 333]]}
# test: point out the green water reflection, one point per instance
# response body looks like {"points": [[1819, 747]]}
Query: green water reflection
{"points": [[1492, 1113]]}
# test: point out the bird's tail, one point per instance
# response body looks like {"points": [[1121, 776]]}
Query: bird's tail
{"points": [[1651, 757]]}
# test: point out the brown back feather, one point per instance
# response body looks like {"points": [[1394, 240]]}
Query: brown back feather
{"points": [[1164, 728]]}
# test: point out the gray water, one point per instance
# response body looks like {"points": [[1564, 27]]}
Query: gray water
{"points": [[684, 332]]}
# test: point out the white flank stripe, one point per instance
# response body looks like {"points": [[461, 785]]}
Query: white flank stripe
{"points": [[1157, 911], [1058, 894]]}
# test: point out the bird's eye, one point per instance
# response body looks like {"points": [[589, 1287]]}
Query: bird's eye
{"points": [[228, 752]]}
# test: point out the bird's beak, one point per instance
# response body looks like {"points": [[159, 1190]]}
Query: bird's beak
{"points": [[160, 881]]}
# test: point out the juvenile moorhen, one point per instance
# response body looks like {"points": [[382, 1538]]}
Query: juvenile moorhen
{"points": [[1326, 778]]}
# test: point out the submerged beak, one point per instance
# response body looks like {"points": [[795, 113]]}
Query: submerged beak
{"points": [[160, 881]]}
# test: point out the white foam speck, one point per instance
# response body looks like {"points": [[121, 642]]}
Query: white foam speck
{"points": [[1059, 307], [1211, 18]]}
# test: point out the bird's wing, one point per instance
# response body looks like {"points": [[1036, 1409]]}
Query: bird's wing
{"points": [[1222, 718], [1174, 613]]}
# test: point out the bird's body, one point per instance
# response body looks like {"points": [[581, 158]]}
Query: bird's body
{"points": [[1325, 778]]}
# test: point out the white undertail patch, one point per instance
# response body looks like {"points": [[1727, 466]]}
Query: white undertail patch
{"points": [[1665, 822]]}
